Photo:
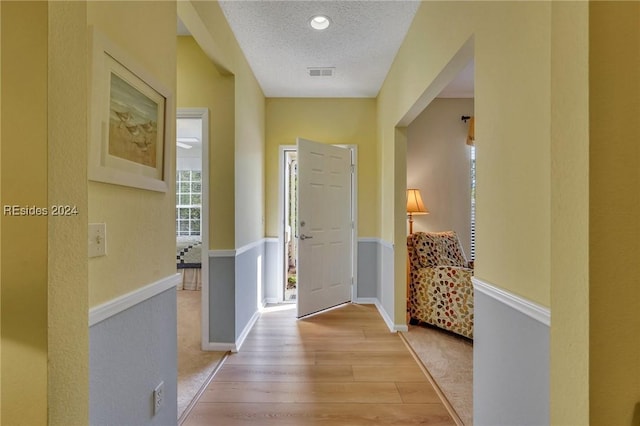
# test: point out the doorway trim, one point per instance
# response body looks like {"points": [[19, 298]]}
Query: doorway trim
{"points": [[280, 276], [203, 114]]}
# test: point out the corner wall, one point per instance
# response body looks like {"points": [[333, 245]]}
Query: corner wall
{"points": [[68, 293], [614, 207], [24, 238], [215, 74], [569, 196], [146, 31], [200, 85], [44, 351], [510, 43], [212, 33], [140, 245]]}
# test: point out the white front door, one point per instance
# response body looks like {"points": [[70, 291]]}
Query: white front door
{"points": [[325, 234]]}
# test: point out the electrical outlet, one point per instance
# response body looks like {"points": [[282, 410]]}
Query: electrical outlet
{"points": [[97, 239], [158, 398]]}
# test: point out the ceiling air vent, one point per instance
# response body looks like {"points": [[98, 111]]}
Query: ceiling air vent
{"points": [[321, 71]]}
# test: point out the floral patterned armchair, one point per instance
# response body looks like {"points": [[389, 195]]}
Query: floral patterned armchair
{"points": [[440, 289]]}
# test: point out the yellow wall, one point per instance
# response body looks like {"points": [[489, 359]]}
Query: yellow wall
{"points": [[201, 85], [570, 214], [140, 223], [245, 206], [24, 239], [511, 46], [335, 121], [68, 334], [511, 42], [250, 153], [614, 229], [44, 269], [0, 220]]}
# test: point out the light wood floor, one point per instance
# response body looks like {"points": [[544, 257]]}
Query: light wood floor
{"points": [[341, 367]]}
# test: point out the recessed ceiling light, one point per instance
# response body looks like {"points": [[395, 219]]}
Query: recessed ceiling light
{"points": [[319, 22]]}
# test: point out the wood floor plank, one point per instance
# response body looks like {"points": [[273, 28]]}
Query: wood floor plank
{"points": [[364, 358], [284, 373], [417, 393], [307, 331], [386, 373], [323, 344], [271, 358], [303, 392], [270, 414]]}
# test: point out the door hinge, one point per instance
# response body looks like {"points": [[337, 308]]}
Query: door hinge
{"points": [[353, 168]]}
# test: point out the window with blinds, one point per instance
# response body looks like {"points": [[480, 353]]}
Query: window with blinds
{"points": [[473, 203]]}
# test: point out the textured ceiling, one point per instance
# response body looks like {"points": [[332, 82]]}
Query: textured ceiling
{"points": [[280, 46]]}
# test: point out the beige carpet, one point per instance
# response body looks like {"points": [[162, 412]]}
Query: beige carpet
{"points": [[194, 365], [449, 359]]}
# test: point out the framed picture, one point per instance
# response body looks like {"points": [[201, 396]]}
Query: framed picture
{"points": [[128, 144]]}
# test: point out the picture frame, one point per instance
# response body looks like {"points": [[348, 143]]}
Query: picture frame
{"points": [[129, 120]]}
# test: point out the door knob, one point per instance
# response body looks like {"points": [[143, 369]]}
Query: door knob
{"points": [[304, 237]]}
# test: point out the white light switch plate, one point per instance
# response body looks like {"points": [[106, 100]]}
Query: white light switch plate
{"points": [[97, 239]]}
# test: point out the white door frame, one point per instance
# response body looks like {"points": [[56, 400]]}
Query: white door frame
{"points": [[281, 219], [203, 114]]}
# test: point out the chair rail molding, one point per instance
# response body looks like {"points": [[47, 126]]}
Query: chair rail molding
{"points": [[531, 309]]}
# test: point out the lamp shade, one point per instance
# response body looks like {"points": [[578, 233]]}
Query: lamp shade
{"points": [[414, 202]]}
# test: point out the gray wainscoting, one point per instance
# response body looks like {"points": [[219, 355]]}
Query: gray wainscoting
{"points": [[236, 287], [250, 263], [368, 271], [222, 307], [272, 294], [510, 359], [386, 289], [130, 353]]}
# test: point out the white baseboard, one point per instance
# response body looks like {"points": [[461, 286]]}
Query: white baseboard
{"points": [[270, 301], [115, 306], [246, 331], [365, 300], [233, 347], [387, 320], [219, 347]]}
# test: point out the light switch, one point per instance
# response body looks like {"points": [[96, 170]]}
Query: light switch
{"points": [[97, 239]]}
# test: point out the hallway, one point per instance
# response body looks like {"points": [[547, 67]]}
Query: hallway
{"points": [[341, 367]]}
